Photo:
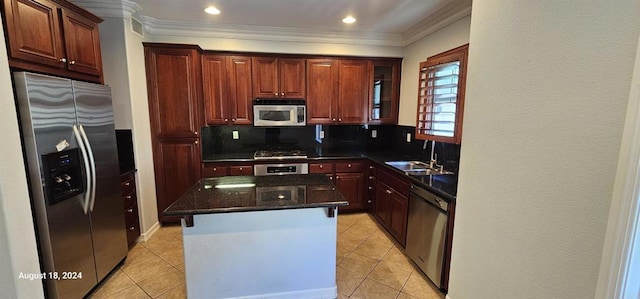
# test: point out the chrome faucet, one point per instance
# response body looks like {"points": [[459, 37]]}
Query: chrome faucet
{"points": [[433, 162]]}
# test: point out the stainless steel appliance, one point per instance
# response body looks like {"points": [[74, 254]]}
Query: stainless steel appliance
{"points": [[281, 169], [70, 150], [426, 232], [279, 154], [276, 113]]}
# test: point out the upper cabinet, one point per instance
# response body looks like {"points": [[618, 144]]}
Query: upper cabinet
{"points": [[275, 77], [337, 91], [227, 89], [174, 86], [441, 91], [57, 38], [385, 91]]}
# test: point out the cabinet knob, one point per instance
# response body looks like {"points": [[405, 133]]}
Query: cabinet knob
{"points": [[321, 166], [240, 168], [370, 177], [388, 191], [282, 94], [370, 188], [128, 196], [215, 169], [337, 177], [349, 165], [196, 132], [233, 119], [127, 183], [334, 120], [196, 142], [226, 120], [339, 119], [63, 60], [370, 167], [130, 210], [369, 201], [72, 62], [132, 228]]}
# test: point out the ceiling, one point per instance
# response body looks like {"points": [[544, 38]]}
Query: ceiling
{"points": [[378, 21]]}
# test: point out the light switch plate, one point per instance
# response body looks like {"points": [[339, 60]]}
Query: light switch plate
{"points": [[235, 135], [321, 134], [408, 137], [374, 133]]}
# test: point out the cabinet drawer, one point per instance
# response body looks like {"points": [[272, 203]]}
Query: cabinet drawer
{"points": [[350, 166], [131, 214], [209, 171], [241, 170], [133, 231], [129, 200], [393, 181], [320, 167], [128, 184]]}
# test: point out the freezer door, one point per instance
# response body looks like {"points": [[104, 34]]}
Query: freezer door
{"points": [[95, 114], [47, 114]]}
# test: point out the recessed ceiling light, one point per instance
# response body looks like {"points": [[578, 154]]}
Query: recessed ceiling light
{"points": [[212, 10], [349, 20]]}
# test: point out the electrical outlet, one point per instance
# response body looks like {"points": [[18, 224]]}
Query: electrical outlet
{"points": [[321, 134], [408, 137], [235, 135], [374, 133]]}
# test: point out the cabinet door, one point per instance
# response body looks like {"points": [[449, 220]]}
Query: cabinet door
{"points": [[292, 78], [214, 77], [177, 168], [265, 77], [174, 83], [398, 213], [241, 170], [322, 91], [239, 94], [351, 185], [385, 92], [82, 44], [353, 95], [34, 32], [381, 202]]}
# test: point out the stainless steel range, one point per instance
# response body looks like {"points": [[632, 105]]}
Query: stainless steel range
{"points": [[280, 168]]}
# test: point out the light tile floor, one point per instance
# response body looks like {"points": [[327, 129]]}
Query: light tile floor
{"points": [[369, 265]]}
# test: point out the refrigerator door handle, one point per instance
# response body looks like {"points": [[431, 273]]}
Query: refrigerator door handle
{"points": [[83, 150], [93, 168]]}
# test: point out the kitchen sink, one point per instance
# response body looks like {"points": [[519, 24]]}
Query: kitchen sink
{"points": [[415, 168]]}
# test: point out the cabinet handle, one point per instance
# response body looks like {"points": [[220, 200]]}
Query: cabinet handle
{"points": [[369, 201], [388, 191], [72, 62], [128, 196], [340, 119], [349, 165], [233, 120], [370, 177], [337, 177], [127, 183], [276, 94], [334, 120], [132, 228], [370, 188], [321, 166], [282, 94], [130, 210], [370, 167], [240, 168], [64, 60], [226, 120], [196, 132], [196, 142], [215, 169]]}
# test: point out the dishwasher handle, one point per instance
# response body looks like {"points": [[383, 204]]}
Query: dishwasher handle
{"points": [[430, 198]]}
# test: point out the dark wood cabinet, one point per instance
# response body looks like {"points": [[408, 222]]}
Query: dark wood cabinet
{"points": [[219, 169], [174, 88], [130, 206], [227, 89], [275, 77], [349, 179], [391, 203], [54, 37], [338, 91], [177, 168], [384, 86], [322, 91]]}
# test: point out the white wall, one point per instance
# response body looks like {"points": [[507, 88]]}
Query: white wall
{"points": [[547, 90], [123, 59], [17, 234], [452, 36]]}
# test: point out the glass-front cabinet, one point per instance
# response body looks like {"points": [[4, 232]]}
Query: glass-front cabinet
{"points": [[441, 89], [385, 86]]}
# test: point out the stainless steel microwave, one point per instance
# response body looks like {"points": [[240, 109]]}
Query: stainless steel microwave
{"points": [[277, 113]]}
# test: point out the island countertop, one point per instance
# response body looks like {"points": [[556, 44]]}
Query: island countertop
{"points": [[256, 193]]}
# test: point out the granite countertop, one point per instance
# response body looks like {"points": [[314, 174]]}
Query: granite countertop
{"points": [[443, 185], [256, 193]]}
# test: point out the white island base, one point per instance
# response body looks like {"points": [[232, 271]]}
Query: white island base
{"points": [[288, 253]]}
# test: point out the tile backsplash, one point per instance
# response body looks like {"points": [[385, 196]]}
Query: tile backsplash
{"points": [[326, 139]]}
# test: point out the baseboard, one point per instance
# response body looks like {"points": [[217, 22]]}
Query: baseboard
{"points": [[326, 293], [144, 237]]}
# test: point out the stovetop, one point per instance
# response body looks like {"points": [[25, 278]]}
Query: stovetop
{"points": [[279, 154]]}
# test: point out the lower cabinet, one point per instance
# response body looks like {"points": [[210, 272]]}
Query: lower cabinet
{"points": [[349, 178], [391, 203], [177, 162], [130, 205], [210, 170]]}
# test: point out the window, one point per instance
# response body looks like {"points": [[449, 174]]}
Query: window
{"points": [[441, 85]]}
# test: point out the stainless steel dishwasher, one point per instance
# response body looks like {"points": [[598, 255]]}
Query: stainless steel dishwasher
{"points": [[426, 232]]}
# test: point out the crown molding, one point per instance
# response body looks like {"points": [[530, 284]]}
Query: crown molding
{"points": [[109, 9], [266, 33], [444, 16]]}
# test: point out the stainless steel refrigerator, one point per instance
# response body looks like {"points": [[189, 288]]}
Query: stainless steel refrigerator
{"points": [[70, 150]]}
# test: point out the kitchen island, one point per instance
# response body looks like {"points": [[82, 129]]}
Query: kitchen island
{"points": [[260, 236]]}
